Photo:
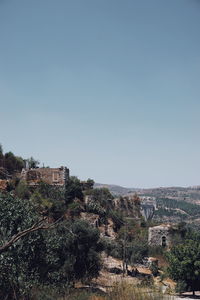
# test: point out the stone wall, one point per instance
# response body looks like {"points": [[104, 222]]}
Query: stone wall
{"points": [[160, 235], [53, 176]]}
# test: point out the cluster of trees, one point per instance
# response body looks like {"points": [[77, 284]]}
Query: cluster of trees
{"points": [[10, 164], [35, 252], [101, 203], [131, 244], [184, 262]]}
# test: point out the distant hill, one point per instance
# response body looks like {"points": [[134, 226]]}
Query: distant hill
{"points": [[189, 194], [174, 204], [116, 190]]}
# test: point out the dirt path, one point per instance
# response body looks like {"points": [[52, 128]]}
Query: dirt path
{"points": [[186, 296]]}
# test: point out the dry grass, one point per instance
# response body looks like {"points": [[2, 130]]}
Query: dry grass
{"points": [[96, 298], [121, 291], [129, 292]]}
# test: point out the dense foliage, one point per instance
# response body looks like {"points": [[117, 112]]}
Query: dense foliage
{"points": [[131, 244], [184, 263], [10, 164], [57, 256], [73, 190]]}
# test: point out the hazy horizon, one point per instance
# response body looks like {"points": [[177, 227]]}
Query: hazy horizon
{"points": [[108, 88]]}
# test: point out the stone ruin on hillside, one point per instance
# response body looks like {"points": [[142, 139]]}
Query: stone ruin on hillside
{"points": [[160, 235], [3, 184]]}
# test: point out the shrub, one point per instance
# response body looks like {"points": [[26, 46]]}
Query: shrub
{"points": [[56, 257], [154, 268]]}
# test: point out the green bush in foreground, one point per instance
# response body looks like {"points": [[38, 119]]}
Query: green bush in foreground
{"points": [[184, 265], [56, 257]]}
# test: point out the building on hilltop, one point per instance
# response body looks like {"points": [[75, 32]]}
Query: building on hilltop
{"points": [[52, 176]]}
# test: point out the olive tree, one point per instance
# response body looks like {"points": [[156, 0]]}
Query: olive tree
{"points": [[184, 265]]}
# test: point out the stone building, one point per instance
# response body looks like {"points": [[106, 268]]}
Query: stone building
{"points": [[52, 176], [3, 184], [160, 235]]}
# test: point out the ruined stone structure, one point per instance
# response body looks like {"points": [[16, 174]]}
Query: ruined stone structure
{"points": [[160, 235], [3, 184], [53, 176]]}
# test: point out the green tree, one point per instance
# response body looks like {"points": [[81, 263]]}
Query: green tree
{"points": [[42, 204], [50, 200], [22, 190], [13, 163], [154, 268], [32, 163], [74, 209], [184, 264], [133, 241], [73, 190], [86, 248], [101, 203], [72, 254], [1, 150], [10, 164], [103, 197], [88, 185], [19, 263]]}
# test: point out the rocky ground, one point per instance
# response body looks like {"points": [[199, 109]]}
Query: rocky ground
{"points": [[108, 278]]}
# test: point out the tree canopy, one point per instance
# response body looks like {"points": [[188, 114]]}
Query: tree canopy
{"points": [[184, 265], [66, 252]]}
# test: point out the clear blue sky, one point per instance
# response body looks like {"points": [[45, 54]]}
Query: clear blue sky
{"points": [[110, 88]]}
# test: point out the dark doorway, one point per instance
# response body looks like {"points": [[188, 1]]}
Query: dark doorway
{"points": [[164, 243]]}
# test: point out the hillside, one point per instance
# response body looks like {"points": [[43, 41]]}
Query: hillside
{"points": [[189, 194], [174, 204], [97, 234], [116, 190]]}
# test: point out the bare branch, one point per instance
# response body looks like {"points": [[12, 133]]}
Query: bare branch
{"points": [[40, 225]]}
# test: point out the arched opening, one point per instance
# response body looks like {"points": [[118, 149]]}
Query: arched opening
{"points": [[164, 242]]}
